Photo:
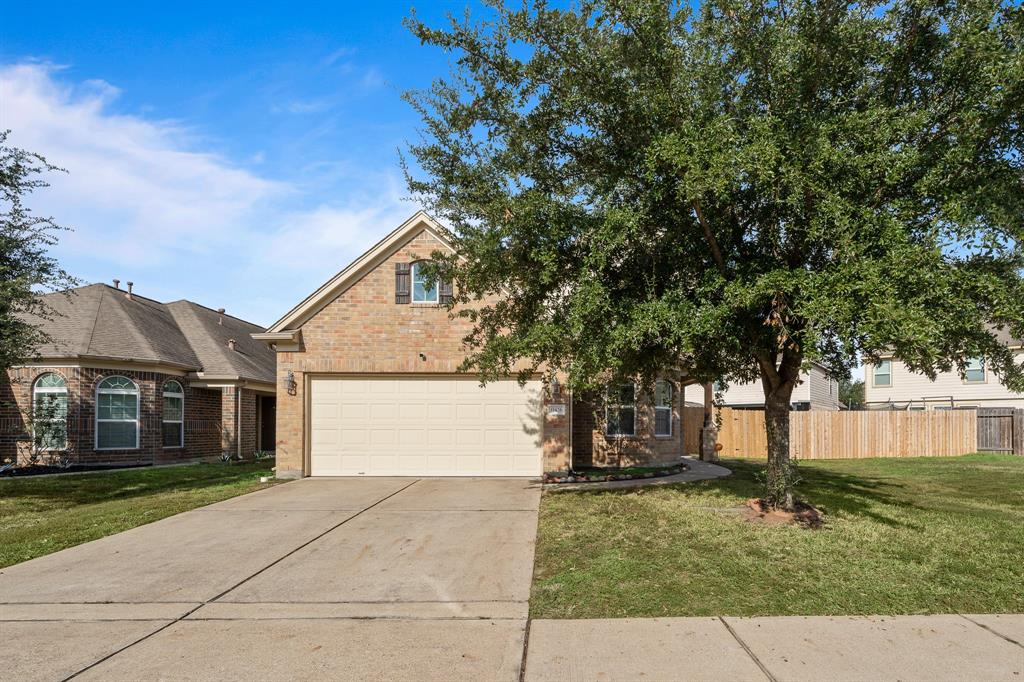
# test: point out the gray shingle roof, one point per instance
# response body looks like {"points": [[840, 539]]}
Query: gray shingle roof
{"points": [[99, 321]]}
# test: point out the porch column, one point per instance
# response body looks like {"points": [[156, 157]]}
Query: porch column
{"points": [[708, 432]]}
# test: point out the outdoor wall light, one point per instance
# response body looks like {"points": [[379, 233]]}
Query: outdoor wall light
{"points": [[289, 382]]}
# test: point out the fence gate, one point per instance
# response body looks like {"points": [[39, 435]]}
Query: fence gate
{"points": [[1000, 429]]}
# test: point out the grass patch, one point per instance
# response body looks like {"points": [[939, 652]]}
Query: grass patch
{"points": [[902, 536], [44, 514]]}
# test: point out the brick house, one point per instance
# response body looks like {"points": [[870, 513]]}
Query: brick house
{"points": [[367, 368], [129, 380]]}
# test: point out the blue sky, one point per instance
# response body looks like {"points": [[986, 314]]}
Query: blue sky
{"points": [[233, 155]]}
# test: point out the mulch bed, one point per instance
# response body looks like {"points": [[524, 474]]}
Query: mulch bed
{"points": [[757, 511], [598, 476], [43, 469]]}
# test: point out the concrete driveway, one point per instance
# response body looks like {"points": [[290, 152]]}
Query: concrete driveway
{"points": [[320, 578]]}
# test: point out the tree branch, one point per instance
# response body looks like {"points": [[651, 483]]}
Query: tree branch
{"points": [[716, 252]]}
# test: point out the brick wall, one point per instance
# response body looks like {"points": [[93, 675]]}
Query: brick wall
{"points": [[591, 447], [230, 402], [364, 330], [202, 417]]}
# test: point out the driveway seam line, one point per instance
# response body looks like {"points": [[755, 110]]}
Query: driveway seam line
{"points": [[308, 543], [994, 632], [746, 648], [207, 601]]}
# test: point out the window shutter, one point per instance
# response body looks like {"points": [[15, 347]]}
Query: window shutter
{"points": [[403, 283], [445, 296]]}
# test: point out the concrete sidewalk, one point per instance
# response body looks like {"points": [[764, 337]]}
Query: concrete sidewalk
{"points": [[905, 648]]}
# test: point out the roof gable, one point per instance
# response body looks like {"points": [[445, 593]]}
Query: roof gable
{"points": [[358, 268]]}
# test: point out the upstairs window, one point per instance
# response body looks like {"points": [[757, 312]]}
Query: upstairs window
{"points": [[620, 410], [50, 412], [663, 393], [421, 293], [883, 373], [117, 414], [173, 415], [974, 371]]}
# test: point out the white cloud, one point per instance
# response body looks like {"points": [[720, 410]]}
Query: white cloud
{"points": [[146, 201]]}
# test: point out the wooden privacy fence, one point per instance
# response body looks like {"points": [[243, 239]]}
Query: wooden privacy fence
{"points": [[854, 435], [1001, 429]]}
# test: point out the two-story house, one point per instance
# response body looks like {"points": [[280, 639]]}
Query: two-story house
{"points": [[889, 384]]}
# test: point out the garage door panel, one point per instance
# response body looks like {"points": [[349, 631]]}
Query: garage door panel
{"points": [[423, 427]]}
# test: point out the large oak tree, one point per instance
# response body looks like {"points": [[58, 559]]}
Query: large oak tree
{"points": [[736, 190]]}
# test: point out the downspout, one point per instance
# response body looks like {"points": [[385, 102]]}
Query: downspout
{"points": [[238, 420]]}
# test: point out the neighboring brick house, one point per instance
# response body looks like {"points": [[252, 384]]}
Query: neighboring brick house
{"points": [[129, 380], [368, 371]]}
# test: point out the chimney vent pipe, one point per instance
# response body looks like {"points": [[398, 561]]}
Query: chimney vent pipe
{"points": [[117, 283], [220, 316], [130, 285]]}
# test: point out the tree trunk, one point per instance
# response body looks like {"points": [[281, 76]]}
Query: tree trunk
{"points": [[779, 475]]}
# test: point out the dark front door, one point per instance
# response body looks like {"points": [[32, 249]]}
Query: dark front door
{"points": [[268, 422]]}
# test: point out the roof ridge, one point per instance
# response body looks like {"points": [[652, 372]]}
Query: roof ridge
{"points": [[215, 310]]}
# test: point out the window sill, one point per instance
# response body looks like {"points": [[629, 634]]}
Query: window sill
{"points": [[621, 436], [667, 436], [174, 447], [117, 449]]}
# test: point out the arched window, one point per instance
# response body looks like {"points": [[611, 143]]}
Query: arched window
{"points": [[174, 414], [663, 394], [420, 292], [50, 412], [117, 414]]}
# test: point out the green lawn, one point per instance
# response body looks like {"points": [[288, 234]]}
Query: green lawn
{"points": [[929, 535], [43, 514]]}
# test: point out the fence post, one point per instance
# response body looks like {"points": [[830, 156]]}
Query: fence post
{"points": [[1018, 431]]}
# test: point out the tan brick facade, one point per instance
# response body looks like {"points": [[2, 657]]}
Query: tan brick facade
{"points": [[362, 331], [591, 447]]}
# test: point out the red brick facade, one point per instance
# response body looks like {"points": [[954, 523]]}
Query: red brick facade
{"points": [[203, 417]]}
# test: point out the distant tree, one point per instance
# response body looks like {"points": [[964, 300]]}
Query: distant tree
{"points": [[26, 268], [737, 189], [851, 393]]}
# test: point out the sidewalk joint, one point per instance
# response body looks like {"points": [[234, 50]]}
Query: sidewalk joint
{"points": [[994, 632], [746, 648]]}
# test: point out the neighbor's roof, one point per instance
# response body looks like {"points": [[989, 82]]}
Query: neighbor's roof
{"points": [[101, 322]]}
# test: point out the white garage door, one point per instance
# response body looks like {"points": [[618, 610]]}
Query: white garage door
{"points": [[427, 426]]}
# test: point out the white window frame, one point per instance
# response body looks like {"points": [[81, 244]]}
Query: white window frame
{"points": [[117, 391], [180, 394], [412, 286], [980, 362], [874, 374], [37, 389], [664, 408], [608, 407]]}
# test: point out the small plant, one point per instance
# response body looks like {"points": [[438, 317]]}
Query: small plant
{"points": [[263, 454]]}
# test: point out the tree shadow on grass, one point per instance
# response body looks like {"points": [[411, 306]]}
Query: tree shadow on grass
{"points": [[831, 491], [95, 488]]}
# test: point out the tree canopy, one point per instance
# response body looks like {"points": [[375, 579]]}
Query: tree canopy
{"points": [[26, 268], [736, 189]]}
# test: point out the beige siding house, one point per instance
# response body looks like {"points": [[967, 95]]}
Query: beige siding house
{"points": [[816, 391], [891, 385]]}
